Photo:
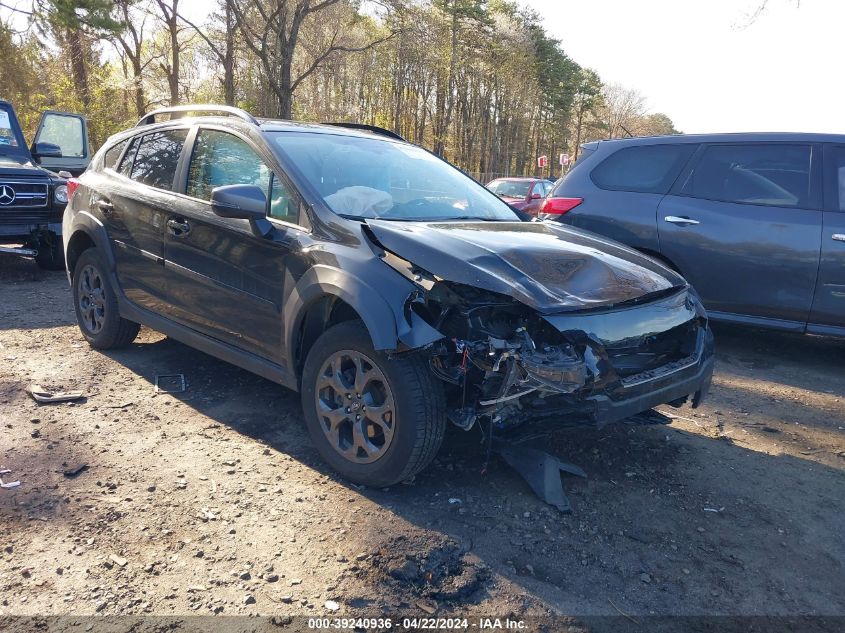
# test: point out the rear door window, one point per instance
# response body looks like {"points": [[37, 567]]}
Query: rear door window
{"points": [[642, 168], [772, 174], [157, 158]]}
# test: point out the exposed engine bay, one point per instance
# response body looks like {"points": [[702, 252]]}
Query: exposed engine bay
{"points": [[506, 364]]}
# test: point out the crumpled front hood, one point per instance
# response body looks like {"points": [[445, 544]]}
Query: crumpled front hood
{"points": [[547, 266]]}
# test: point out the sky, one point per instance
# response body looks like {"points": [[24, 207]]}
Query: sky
{"points": [[707, 66], [705, 63]]}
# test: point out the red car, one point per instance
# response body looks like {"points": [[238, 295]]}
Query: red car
{"points": [[525, 194]]}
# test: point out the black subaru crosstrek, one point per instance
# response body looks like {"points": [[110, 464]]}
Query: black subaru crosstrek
{"points": [[393, 291], [33, 186]]}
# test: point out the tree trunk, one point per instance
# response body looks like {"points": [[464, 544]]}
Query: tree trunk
{"points": [[229, 58], [285, 91], [140, 98], [173, 78], [78, 68]]}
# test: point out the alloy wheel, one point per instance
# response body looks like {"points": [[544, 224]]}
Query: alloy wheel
{"points": [[355, 406], [92, 303]]}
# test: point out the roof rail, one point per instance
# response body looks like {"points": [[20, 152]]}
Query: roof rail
{"points": [[150, 117], [369, 128]]}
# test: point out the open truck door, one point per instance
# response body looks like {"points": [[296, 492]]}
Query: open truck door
{"points": [[61, 142]]}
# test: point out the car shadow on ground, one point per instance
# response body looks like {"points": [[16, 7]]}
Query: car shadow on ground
{"points": [[668, 521], [25, 284], [796, 360]]}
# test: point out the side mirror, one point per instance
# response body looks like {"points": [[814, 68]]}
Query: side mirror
{"points": [[243, 202], [43, 150], [535, 196]]}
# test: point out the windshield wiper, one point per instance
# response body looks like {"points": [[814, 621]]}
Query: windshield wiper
{"points": [[468, 217], [393, 218]]}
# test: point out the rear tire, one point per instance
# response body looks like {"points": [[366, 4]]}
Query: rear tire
{"points": [[96, 305], [400, 407], [51, 255]]}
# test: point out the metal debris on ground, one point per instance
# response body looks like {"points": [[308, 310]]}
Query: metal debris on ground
{"points": [[45, 396], [11, 484], [170, 383]]}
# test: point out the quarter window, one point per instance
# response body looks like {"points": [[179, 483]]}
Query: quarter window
{"points": [[129, 157], [112, 155], [642, 168], [157, 158], [768, 173]]}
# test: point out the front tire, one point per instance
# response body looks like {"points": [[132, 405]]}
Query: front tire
{"points": [[96, 305], [375, 419]]}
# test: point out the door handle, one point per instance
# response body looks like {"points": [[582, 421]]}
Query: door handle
{"points": [[106, 207], [178, 228], [839, 237], [674, 219]]}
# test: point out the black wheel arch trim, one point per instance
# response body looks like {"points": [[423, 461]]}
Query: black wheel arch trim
{"points": [[84, 222], [383, 312]]}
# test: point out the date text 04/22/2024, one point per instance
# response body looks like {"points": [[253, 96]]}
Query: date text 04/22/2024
{"points": [[417, 624]]}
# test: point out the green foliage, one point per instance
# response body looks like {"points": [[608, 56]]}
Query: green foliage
{"points": [[91, 15], [480, 81]]}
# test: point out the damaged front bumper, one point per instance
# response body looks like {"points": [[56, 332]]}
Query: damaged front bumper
{"points": [[627, 342], [587, 367], [674, 387]]}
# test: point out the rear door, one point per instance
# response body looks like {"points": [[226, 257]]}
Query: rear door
{"points": [[743, 225], [70, 133], [132, 198], [621, 193], [222, 279], [828, 314]]}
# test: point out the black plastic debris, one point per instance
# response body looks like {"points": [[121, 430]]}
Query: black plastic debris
{"points": [[541, 471]]}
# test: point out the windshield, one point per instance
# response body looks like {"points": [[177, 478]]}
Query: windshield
{"points": [[11, 141], [510, 188], [375, 178]]}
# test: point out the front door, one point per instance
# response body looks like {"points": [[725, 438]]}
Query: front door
{"points": [[743, 226], [828, 315], [224, 280], [70, 133]]}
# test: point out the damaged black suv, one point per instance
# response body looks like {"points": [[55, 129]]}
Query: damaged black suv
{"points": [[393, 291]]}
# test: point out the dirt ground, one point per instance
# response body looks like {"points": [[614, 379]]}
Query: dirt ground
{"points": [[213, 501]]}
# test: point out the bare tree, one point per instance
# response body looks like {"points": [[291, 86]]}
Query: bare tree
{"points": [[272, 28], [622, 106], [225, 53], [170, 17], [130, 43]]}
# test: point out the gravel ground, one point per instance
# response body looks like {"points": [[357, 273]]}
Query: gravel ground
{"points": [[213, 501]]}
